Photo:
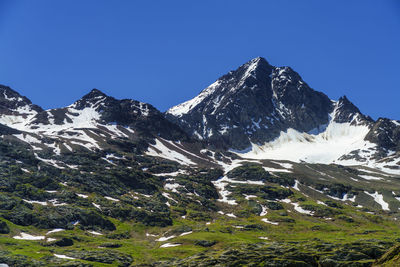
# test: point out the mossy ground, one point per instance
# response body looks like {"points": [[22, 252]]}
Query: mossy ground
{"points": [[227, 232], [335, 226]]}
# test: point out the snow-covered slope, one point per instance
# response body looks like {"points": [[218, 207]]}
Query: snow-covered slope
{"points": [[345, 143], [339, 139], [325, 145], [185, 107]]}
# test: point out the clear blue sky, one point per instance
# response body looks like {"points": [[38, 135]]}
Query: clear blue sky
{"points": [[166, 52]]}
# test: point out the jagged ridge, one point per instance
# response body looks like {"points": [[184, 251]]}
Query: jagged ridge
{"points": [[259, 106]]}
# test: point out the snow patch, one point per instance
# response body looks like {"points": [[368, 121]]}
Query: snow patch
{"points": [[64, 257], [55, 231], [168, 245], [161, 239], [96, 205], [267, 221], [264, 211], [378, 198], [296, 185], [269, 169], [43, 203], [186, 233], [94, 233], [112, 199], [25, 236], [248, 197], [301, 210], [173, 187], [170, 173], [160, 150], [369, 177]]}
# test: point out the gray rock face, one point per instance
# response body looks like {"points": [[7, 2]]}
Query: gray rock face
{"points": [[385, 133], [348, 112], [12, 103], [254, 103]]}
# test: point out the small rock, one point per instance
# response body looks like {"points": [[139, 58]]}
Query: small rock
{"points": [[4, 229], [205, 243], [64, 242]]}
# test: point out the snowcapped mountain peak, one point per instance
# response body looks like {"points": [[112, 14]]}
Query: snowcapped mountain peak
{"points": [[252, 104], [254, 64], [257, 68], [257, 60], [94, 94], [346, 111], [11, 102], [103, 104], [14, 108], [246, 76], [93, 99], [269, 111], [345, 102]]}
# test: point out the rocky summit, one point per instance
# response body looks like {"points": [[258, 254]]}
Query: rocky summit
{"points": [[259, 169], [260, 108], [253, 104]]}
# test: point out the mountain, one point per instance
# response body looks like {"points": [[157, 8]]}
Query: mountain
{"points": [[258, 169], [96, 109], [89, 123], [14, 108], [253, 104], [262, 111]]}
